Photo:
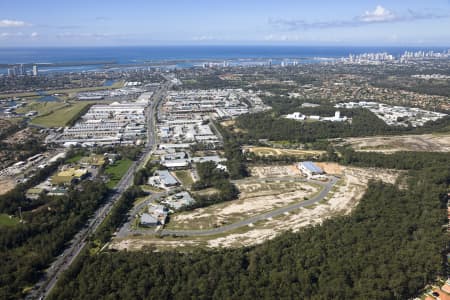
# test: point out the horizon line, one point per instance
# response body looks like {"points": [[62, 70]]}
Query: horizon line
{"points": [[225, 45]]}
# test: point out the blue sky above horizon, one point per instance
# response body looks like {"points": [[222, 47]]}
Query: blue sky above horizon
{"points": [[202, 22]]}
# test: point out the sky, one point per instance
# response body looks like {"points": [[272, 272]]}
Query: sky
{"points": [[41, 23]]}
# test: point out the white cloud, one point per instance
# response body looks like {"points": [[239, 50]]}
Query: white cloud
{"points": [[91, 36], [12, 23], [380, 14], [283, 38], [377, 16], [204, 38], [11, 35], [34, 34]]}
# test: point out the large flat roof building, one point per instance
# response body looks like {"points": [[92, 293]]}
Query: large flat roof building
{"points": [[166, 178], [309, 168]]}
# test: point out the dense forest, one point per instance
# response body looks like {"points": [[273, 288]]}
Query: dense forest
{"points": [[390, 247], [270, 125], [28, 248], [49, 222]]}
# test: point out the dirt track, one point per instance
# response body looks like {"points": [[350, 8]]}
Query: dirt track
{"points": [[389, 144]]}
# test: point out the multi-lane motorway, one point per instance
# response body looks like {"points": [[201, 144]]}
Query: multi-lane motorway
{"points": [[62, 262]]}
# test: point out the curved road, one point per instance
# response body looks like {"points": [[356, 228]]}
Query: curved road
{"points": [[271, 214]]}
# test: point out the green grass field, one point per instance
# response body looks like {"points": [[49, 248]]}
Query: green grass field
{"points": [[5, 220], [60, 117], [74, 91], [42, 108], [185, 177], [116, 171], [75, 159]]}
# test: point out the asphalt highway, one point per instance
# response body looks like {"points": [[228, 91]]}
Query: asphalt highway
{"points": [[63, 261]]}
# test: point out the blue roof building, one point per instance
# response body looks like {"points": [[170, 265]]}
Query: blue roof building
{"points": [[310, 168]]}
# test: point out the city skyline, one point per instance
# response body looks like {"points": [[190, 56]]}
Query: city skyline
{"points": [[358, 23]]}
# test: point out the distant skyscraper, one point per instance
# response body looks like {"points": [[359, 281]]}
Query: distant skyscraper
{"points": [[16, 70], [22, 70], [35, 70], [11, 72]]}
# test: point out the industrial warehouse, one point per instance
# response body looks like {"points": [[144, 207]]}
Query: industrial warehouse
{"points": [[116, 123]]}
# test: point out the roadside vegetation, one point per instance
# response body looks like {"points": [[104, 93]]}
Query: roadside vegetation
{"points": [[26, 249]]}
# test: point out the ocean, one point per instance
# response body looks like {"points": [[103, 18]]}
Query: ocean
{"points": [[78, 58]]}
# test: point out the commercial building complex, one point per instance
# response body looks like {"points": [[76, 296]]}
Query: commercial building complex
{"points": [[116, 123]]}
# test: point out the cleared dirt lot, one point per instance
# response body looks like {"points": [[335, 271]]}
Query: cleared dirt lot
{"points": [[274, 171], [331, 168], [389, 144], [6, 184], [268, 151], [343, 198], [256, 196]]}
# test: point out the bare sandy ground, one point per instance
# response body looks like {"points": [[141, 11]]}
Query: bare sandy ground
{"points": [[6, 185], [331, 168], [340, 201], [274, 171], [255, 197], [139, 244], [269, 151], [389, 144]]}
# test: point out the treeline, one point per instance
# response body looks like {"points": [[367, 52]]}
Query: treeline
{"points": [[118, 214], [212, 177], [390, 247], [130, 152], [233, 152], [28, 248], [75, 118], [404, 160]]}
